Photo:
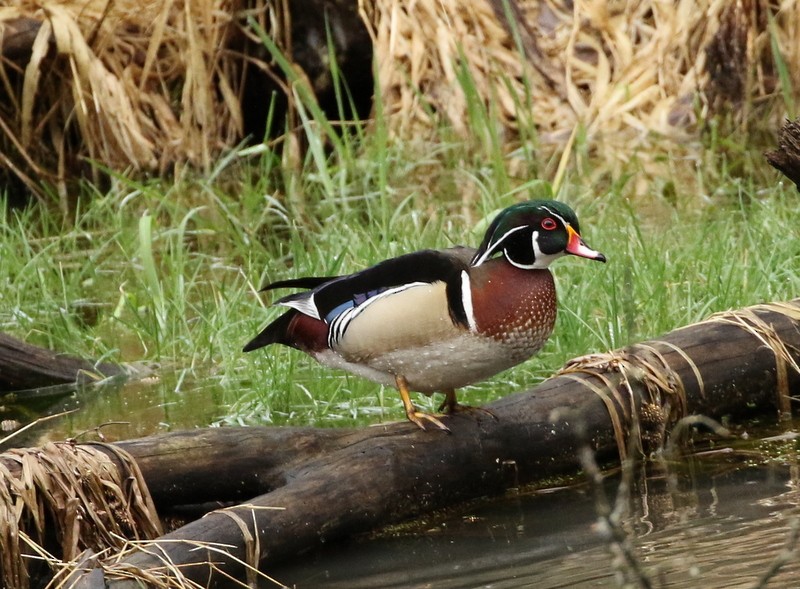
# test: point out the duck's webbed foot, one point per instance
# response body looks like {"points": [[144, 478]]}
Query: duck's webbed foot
{"points": [[415, 416], [451, 406]]}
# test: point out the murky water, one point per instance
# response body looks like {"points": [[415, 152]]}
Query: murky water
{"points": [[701, 529], [122, 410]]}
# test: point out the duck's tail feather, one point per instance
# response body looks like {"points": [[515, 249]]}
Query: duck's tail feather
{"points": [[306, 282], [274, 333]]}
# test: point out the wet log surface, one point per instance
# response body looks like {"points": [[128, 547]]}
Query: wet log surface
{"points": [[318, 485], [24, 366]]}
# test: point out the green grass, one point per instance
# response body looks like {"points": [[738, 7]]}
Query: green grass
{"points": [[167, 274]]}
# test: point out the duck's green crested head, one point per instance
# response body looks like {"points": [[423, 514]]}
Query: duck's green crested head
{"points": [[530, 235]]}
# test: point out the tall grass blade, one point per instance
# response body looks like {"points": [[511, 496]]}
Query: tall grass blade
{"points": [[150, 274], [783, 71], [301, 91]]}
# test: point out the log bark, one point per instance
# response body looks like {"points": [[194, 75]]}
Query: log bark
{"points": [[24, 366], [786, 158], [320, 484]]}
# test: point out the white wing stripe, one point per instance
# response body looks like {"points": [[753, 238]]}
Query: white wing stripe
{"points": [[306, 306]]}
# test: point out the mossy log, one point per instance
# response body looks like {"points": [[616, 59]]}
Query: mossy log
{"points": [[318, 484]]}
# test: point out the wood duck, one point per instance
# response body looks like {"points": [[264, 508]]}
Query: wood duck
{"points": [[437, 320]]}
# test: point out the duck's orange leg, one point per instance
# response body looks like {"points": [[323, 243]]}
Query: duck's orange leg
{"points": [[450, 405], [414, 415]]}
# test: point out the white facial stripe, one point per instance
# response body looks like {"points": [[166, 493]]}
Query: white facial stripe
{"points": [[543, 260], [556, 215], [522, 266], [495, 244], [466, 300], [537, 253], [540, 261]]}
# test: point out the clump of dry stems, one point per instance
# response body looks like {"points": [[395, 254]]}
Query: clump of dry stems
{"points": [[148, 85], [63, 499]]}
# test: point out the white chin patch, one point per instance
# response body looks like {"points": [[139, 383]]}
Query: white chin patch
{"points": [[545, 260], [542, 261]]}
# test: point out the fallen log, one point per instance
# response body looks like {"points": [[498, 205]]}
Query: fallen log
{"points": [[331, 485], [24, 366]]}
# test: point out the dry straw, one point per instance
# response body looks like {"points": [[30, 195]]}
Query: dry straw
{"points": [[66, 498], [129, 84], [634, 79], [148, 85], [626, 69], [640, 376]]}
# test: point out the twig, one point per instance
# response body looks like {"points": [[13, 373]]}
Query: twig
{"points": [[33, 423]]}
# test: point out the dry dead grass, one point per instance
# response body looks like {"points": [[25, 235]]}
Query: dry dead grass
{"points": [[622, 71], [148, 85], [70, 497], [131, 84]]}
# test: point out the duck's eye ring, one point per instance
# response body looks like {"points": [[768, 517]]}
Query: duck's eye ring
{"points": [[549, 224]]}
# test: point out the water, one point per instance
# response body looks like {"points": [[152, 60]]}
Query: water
{"points": [[120, 410], [716, 527]]}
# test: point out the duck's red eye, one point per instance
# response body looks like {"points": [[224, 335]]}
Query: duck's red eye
{"points": [[548, 224]]}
